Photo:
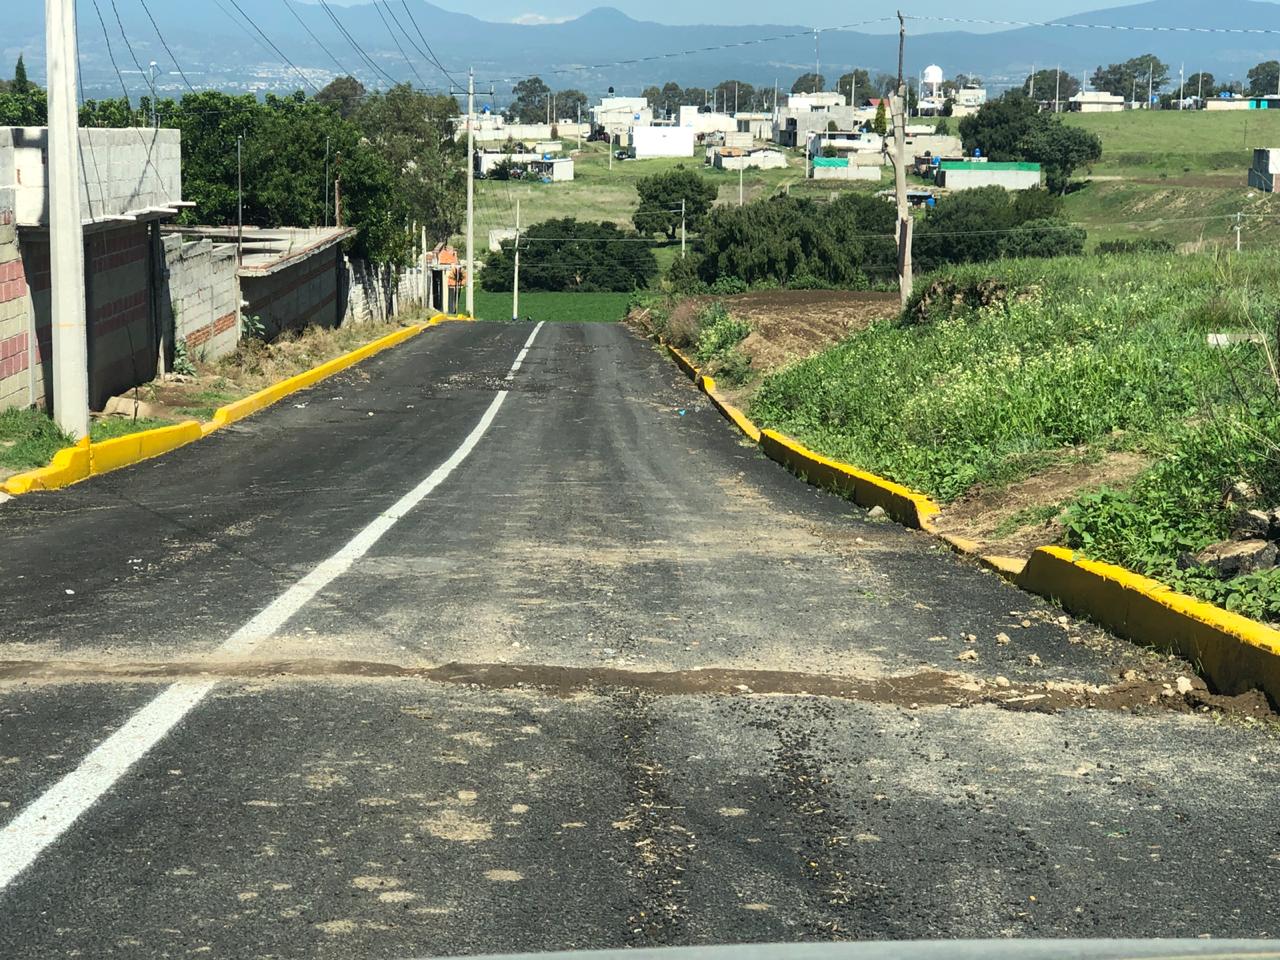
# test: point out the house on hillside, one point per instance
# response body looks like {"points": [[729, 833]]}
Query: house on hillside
{"points": [[968, 174]]}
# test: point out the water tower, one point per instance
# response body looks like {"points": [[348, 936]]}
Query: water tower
{"points": [[932, 78]]}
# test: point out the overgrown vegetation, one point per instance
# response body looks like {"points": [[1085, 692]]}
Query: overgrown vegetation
{"points": [[569, 255], [986, 379]]}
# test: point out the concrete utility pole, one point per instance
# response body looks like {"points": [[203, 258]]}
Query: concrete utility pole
{"points": [[683, 230], [1151, 73], [1057, 87], [1239, 217], [66, 232], [425, 286], [905, 223], [152, 70], [1032, 83], [240, 200], [471, 193], [326, 180], [337, 189], [515, 286]]}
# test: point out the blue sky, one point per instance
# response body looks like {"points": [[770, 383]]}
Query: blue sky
{"points": [[757, 11]]}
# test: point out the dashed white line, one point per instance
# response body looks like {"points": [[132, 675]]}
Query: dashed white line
{"points": [[41, 823]]}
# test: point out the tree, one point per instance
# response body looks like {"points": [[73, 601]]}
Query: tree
{"points": [[570, 104], [855, 83], [809, 83], [660, 198], [881, 123], [1059, 149], [885, 84], [735, 92], [999, 126], [988, 223], [344, 93], [413, 132], [1120, 79], [790, 240], [1201, 84], [1043, 83], [1013, 128], [21, 85], [1264, 78], [571, 255], [962, 80], [529, 105]]}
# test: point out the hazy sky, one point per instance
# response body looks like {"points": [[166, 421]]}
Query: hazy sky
{"points": [[817, 14]]}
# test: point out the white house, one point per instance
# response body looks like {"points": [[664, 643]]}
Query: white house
{"points": [[616, 115], [650, 142], [1096, 101]]}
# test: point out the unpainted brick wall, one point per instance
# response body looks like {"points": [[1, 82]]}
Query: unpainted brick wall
{"points": [[16, 348], [303, 294]]}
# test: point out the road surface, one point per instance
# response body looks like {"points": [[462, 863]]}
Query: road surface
{"points": [[446, 657]]}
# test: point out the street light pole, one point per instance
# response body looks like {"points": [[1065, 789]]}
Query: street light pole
{"points": [[66, 231]]}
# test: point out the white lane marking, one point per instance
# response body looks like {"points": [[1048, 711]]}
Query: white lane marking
{"points": [[511, 375], [47, 817]]}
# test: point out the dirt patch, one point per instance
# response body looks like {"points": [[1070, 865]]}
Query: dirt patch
{"points": [[1014, 520], [789, 325], [1207, 181], [253, 366]]}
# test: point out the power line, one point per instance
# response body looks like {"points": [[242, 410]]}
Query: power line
{"points": [[360, 51], [434, 59], [297, 16], [396, 40], [270, 43], [1093, 26], [164, 43]]}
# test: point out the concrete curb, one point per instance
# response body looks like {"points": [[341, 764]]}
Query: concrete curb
{"points": [[85, 459], [1235, 653]]}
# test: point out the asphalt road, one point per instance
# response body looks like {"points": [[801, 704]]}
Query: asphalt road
{"points": [[445, 658]]}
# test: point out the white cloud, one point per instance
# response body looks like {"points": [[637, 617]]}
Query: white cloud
{"points": [[536, 19]]}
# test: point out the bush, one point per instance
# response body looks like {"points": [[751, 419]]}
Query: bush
{"points": [[780, 238], [718, 332], [682, 276], [1139, 245], [728, 287], [1052, 237], [989, 223], [573, 256]]}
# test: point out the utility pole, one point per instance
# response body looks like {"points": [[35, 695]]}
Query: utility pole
{"points": [[515, 286], [1057, 87], [900, 172], [579, 124], [66, 231], [683, 228], [471, 193], [1151, 73], [337, 190], [1239, 217], [425, 286], [1032, 83], [817, 59], [1200, 89], [240, 200], [326, 180], [155, 115]]}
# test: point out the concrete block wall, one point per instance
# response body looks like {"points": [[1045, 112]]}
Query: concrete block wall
{"points": [[378, 294], [16, 347], [199, 300], [121, 171], [302, 294]]}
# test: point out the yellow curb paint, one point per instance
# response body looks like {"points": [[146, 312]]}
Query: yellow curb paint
{"points": [[73, 464], [866, 489], [69, 465], [1235, 653]]}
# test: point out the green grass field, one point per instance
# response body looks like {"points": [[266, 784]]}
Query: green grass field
{"points": [[600, 194], [1177, 175], [554, 307]]}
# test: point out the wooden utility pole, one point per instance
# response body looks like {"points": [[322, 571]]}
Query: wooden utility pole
{"points": [[905, 223]]}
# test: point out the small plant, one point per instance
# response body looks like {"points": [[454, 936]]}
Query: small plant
{"points": [[182, 362], [728, 286], [718, 333], [252, 327]]}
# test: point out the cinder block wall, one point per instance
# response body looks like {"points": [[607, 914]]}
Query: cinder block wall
{"points": [[16, 348], [300, 295], [199, 299]]}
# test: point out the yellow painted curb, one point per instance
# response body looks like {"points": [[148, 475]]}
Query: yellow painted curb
{"points": [[69, 465], [1237, 654], [866, 489], [73, 464]]}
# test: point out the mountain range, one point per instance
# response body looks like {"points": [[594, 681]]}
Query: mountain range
{"points": [[257, 44]]}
